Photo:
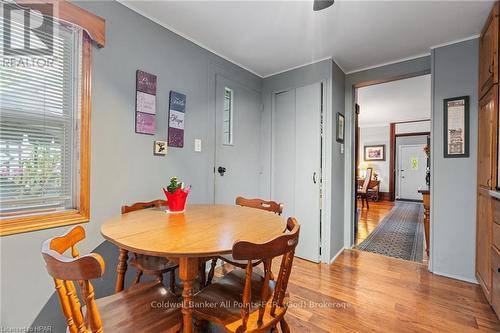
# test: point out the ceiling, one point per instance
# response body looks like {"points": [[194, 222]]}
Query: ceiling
{"points": [[402, 100], [267, 37]]}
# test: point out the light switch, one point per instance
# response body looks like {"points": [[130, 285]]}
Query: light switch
{"points": [[197, 145]]}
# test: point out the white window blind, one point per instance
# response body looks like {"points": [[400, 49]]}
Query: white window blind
{"points": [[39, 115]]}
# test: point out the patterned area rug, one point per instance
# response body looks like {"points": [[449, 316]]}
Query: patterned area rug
{"points": [[400, 234]]}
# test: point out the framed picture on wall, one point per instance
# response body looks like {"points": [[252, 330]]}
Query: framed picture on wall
{"points": [[374, 153], [340, 128], [456, 127]]}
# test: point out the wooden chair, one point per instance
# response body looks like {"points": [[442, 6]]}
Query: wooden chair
{"points": [[270, 206], [363, 192], [128, 311], [264, 302], [144, 264]]}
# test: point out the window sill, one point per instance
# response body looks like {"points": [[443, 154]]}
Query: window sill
{"points": [[17, 225]]}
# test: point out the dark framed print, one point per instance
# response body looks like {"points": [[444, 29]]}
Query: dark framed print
{"points": [[374, 153], [340, 127], [456, 127]]}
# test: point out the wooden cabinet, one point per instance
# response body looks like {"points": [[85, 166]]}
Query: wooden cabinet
{"points": [[495, 270], [488, 53], [488, 201], [487, 139], [483, 241]]}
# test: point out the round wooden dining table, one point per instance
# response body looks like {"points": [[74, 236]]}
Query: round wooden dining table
{"points": [[201, 232]]}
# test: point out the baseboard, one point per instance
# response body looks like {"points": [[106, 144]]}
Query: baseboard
{"points": [[385, 196], [409, 200], [456, 277], [336, 255]]}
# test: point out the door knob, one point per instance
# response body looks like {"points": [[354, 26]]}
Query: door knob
{"points": [[221, 170], [314, 178]]}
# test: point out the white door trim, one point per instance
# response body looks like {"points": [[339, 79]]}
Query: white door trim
{"points": [[326, 167]]}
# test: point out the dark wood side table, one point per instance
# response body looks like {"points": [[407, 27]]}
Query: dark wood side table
{"points": [[426, 194]]}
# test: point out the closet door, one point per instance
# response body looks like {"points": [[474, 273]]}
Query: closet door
{"points": [[296, 162]]}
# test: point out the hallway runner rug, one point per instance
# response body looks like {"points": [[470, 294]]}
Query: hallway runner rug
{"points": [[400, 234]]}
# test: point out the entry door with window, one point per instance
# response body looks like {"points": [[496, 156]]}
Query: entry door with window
{"points": [[237, 135], [296, 162], [412, 164]]}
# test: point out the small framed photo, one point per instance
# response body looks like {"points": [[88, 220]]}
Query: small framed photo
{"points": [[340, 127], [374, 153], [456, 127], [160, 148]]}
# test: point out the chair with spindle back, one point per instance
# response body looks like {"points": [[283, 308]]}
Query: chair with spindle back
{"points": [[144, 264], [363, 192], [263, 301], [108, 314], [270, 206]]}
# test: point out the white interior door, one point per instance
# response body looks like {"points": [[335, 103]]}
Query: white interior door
{"points": [[237, 129], [296, 162], [411, 172]]}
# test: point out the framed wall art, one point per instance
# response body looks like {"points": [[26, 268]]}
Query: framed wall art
{"points": [[177, 110], [160, 148], [374, 153], [145, 103], [456, 127]]}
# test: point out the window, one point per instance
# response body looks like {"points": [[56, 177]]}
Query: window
{"points": [[228, 117], [44, 126]]}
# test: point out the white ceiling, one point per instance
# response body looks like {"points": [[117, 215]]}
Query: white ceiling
{"points": [[267, 37], [402, 100]]}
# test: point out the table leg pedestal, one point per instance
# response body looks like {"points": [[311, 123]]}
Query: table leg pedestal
{"points": [[121, 268], [188, 270]]}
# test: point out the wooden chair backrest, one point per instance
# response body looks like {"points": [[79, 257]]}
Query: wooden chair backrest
{"points": [[65, 270], [282, 245], [270, 206], [143, 205], [368, 178]]}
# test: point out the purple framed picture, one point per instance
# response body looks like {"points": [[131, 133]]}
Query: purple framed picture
{"points": [[145, 123], [145, 103], [177, 110], [146, 82]]}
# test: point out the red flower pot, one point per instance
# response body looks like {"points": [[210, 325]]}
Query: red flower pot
{"points": [[176, 200]]}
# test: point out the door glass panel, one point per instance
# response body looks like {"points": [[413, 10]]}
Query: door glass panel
{"points": [[227, 126]]}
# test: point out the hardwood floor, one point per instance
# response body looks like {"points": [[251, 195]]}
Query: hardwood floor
{"points": [[366, 292], [370, 218]]}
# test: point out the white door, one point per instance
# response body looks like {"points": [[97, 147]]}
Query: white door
{"points": [[237, 131], [412, 164], [296, 162]]}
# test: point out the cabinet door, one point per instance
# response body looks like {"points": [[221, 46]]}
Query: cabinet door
{"points": [[488, 53], [487, 139], [483, 241]]}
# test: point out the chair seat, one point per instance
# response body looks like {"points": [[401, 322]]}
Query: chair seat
{"points": [[238, 263], [152, 265], [220, 302], [144, 307]]}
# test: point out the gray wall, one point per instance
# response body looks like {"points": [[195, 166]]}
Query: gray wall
{"points": [[124, 169], [338, 162], [453, 180], [379, 73]]}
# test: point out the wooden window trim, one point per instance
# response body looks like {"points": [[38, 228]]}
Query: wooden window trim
{"points": [[26, 223]]}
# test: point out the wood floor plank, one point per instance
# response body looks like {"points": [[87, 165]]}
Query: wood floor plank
{"points": [[367, 292]]}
